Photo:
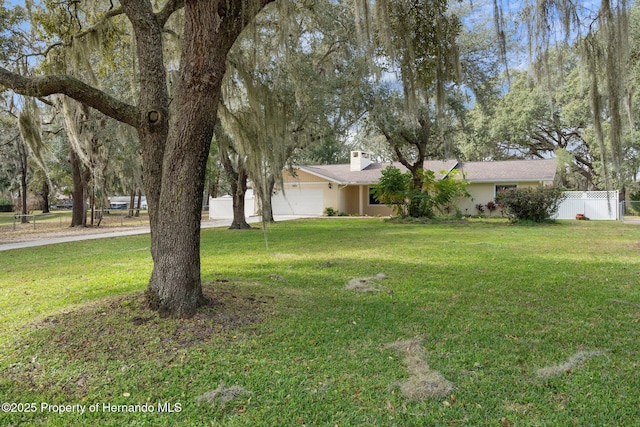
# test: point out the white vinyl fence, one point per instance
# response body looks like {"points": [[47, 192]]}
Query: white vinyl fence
{"points": [[222, 207], [592, 204]]}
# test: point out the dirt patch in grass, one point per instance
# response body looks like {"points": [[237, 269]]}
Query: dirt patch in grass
{"points": [[424, 382], [519, 408], [221, 395], [367, 284], [572, 363]]}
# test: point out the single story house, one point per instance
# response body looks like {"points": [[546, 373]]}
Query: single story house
{"points": [[346, 188]]}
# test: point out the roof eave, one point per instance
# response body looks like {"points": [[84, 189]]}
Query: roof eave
{"points": [[319, 175], [499, 180]]}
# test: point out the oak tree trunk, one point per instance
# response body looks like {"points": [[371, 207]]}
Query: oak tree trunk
{"points": [[80, 177], [238, 177], [22, 153], [137, 214], [174, 142], [266, 194], [23, 198], [210, 29], [45, 197], [239, 189], [132, 200]]}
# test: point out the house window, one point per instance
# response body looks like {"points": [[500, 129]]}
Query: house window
{"points": [[372, 199], [501, 188]]}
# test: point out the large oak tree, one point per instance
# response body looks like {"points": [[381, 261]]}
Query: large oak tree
{"points": [[175, 134]]}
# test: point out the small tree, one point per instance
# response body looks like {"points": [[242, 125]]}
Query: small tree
{"points": [[392, 189], [536, 204], [442, 191], [396, 189]]}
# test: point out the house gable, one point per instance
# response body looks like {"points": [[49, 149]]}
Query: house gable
{"points": [[302, 176]]}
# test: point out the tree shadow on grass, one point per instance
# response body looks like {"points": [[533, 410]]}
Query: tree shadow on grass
{"points": [[74, 351]]}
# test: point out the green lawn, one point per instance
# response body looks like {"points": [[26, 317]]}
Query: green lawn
{"points": [[515, 325]]}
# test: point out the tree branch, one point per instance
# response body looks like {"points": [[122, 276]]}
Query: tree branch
{"points": [[401, 158], [168, 10], [108, 15], [61, 84]]}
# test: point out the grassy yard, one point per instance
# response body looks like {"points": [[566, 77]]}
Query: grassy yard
{"points": [[475, 323], [7, 219]]}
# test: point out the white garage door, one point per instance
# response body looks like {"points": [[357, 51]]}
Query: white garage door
{"points": [[298, 201]]}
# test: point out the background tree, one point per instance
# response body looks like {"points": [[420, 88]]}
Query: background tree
{"points": [[436, 59], [422, 50], [290, 85], [602, 37], [104, 153], [30, 149], [572, 98], [24, 150], [8, 160], [532, 121], [233, 164]]}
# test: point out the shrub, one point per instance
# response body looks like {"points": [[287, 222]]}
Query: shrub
{"points": [[391, 189], [634, 203], [536, 204], [329, 211], [444, 191], [6, 204], [397, 189]]}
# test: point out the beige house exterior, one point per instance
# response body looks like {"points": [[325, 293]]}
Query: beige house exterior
{"points": [[345, 188]]}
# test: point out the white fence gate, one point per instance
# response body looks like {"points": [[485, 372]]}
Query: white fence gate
{"points": [[593, 204]]}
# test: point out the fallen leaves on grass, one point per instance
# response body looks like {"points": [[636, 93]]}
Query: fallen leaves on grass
{"points": [[424, 382]]}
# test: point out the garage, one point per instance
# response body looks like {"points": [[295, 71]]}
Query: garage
{"points": [[298, 202]]}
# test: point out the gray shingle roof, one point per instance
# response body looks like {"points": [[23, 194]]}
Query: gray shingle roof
{"points": [[510, 170], [493, 171]]}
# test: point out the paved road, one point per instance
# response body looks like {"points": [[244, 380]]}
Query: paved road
{"points": [[111, 234]]}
